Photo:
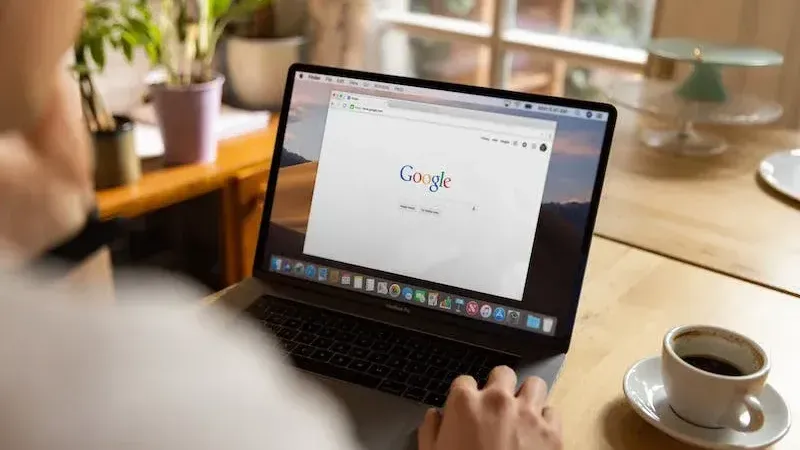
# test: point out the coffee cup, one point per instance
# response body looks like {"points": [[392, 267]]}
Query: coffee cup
{"points": [[712, 376]]}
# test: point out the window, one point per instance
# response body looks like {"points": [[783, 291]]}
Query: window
{"points": [[559, 47]]}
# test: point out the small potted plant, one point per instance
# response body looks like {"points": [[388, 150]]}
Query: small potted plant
{"points": [[188, 102], [124, 26], [259, 50]]}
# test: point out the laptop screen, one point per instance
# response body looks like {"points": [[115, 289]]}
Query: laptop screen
{"points": [[471, 205]]}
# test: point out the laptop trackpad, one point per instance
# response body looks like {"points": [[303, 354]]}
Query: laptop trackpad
{"points": [[382, 421]]}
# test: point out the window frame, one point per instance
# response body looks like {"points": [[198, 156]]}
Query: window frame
{"points": [[499, 36]]}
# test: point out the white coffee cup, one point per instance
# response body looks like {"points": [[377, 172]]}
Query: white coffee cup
{"points": [[708, 399]]}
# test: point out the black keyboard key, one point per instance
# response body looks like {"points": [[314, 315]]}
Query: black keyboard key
{"points": [[364, 341], [381, 346], [419, 381], [322, 342], [340, 347], [303, 350], [378, 357], [293, 323], [358, 352], [415, 394], [415, 345], [304, 338], [359, 365], [419, 356], [399, 375], [415, 367], [395, 362], [439, 361], [379, 370], [275, 319], [341, 360], [286, 333], [327, 333], [310, 328], [278, 308], [461, 368], [450, 377], [437, 374], [344, 336], [399, 350], [321, 355], [392, 387], [435, 399], [383, 335], [438, 387], [340, 373]]}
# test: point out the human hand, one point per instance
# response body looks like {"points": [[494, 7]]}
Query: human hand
{"points": [[46, 189], [494, 418]]}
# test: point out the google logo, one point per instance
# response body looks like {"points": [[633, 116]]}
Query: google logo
{"points": [[434, 182]]}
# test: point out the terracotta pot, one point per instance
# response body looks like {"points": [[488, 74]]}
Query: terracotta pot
{"points": [[187, 117], [116, 162]]}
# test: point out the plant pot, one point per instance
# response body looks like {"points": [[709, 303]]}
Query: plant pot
{"points": [[116, 162], [187, 117], [257, 69]]}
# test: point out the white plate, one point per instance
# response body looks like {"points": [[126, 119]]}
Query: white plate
{"points": [[782, 172], [645, 393]]}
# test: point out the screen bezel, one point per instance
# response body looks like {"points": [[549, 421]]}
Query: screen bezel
{"points": [[500, 337]]}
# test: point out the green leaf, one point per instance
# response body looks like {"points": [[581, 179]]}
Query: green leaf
{"points": [[96, 11], [127, 49], [217, 8], [98, 51], [153, 53], [139, 27]]}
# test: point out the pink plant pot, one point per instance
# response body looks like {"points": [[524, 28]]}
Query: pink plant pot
{"points": [[187, 117]]}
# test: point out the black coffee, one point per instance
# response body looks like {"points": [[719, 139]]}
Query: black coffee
{"points": [[713, 364]]}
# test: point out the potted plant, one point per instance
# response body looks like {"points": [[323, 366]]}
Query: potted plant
{"points": [[259, 50], [188, 102], [125, 26]]}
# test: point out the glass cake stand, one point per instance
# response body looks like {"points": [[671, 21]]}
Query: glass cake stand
{"points": [[699, 99]]}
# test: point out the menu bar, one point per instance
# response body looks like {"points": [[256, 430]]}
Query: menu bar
{"points": [[416, 295], [455, 96]]}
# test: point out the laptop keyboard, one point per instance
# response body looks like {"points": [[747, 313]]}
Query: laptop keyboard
{"points": [[375, 355]]}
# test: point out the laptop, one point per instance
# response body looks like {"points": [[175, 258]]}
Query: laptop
{"points": [[416, 230]]}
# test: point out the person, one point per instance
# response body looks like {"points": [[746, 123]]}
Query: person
{"points": [[154, 370]]}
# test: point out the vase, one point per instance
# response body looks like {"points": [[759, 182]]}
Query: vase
{"points": [[257, 69], [187, 116], [116, 161]]}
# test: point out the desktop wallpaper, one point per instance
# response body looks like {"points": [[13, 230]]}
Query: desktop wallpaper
{"points": [[556, 264]]}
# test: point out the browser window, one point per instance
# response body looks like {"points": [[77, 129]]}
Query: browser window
{"points": [[411, 188]]}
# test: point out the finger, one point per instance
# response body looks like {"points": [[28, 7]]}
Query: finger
{"points": [[550, 416], [464, 382], [533, 392], [429, 430], [503, 378]]}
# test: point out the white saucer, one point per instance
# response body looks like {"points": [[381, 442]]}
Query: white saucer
{"points": [[782, 172], [645, 393]]}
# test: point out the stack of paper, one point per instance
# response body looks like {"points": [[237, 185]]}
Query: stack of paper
{"points": [[232, 122]]}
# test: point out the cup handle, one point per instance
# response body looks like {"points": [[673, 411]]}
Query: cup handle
{"points": [[755, 412]]}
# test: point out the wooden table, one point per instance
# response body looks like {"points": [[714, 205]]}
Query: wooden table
{"points": [[631, 298], [707, 211], [238, 173], [164, 186]]}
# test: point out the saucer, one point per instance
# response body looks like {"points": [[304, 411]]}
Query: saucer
{"points": [[645, 393]]}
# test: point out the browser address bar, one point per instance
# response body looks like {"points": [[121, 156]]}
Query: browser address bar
{"points": [[466, 118]]}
